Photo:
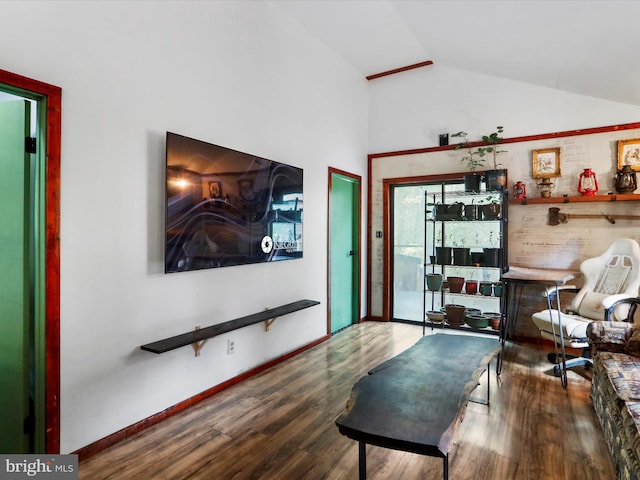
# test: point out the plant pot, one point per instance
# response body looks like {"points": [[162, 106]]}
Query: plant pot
{"points": [[455, 284], [472, 183], [477, 258], [486, 288], [435, 316], [455, 314], [491, 211], [440, 211], [477, 321], [434, 281], [496, 180], [461, 256], [497, 289], [472, 212], [492, 257], [454, 211], [494, 319], [443, 255], [471, 287]]}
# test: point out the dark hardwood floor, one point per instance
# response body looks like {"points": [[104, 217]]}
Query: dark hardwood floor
{"points": [[280, 424]]}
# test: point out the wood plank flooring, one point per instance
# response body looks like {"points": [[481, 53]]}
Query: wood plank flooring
{"points": [[280, 424]]}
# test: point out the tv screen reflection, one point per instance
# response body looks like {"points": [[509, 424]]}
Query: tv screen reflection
{"points": [[226, 207]]}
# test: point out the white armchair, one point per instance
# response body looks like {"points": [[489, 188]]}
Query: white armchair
{"points": [[612, 276]]}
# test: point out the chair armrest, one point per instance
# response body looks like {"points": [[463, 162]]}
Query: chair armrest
{"points": [[609, 336], [551, 291], [613, 303]]}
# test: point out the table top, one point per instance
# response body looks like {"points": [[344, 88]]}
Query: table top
{"points": [[547, 276], [415, 401]]}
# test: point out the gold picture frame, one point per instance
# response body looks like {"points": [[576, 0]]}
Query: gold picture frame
{"points": [[629, 153], [546, 163]]}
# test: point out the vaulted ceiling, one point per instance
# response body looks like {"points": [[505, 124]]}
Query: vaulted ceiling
{"points": [[585, 47]]}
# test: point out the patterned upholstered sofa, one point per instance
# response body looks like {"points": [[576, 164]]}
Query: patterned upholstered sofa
{"points": [[615, 391]]}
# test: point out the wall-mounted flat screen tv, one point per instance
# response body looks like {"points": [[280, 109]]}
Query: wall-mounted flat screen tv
{"points": [[226, 207]]}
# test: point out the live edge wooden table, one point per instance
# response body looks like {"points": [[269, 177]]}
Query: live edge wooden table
{"points": [[415, 401]]}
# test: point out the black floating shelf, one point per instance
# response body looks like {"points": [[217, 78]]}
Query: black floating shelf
{"points": [[190, 338]]}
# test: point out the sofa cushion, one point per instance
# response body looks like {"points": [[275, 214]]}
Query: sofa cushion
{"points": [[632, 346], [609, 336], [623, 371]]}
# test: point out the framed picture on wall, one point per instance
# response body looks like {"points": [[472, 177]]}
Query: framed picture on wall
{"points": [[546, 163], [215, 189], [245, 188], [629, 153]]}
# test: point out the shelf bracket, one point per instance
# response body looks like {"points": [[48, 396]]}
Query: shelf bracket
{"points": [[268, 322], [197, 346]]}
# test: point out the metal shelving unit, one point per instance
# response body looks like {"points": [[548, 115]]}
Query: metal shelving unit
{"points": [[457, 231]]}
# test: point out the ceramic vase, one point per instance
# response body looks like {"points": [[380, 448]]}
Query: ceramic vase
{"points": [[471, 287], [455, 284], [434, 281], [485, 288]]}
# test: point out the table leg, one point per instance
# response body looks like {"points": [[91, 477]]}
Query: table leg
{"points": [[445, 468], [362, 460]]}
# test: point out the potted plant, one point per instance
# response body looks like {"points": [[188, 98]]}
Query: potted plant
{"points": [[497, 178], [473, 158]]}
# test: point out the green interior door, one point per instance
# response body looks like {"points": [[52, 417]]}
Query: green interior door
{"points": [[344, 255], [14, 277]]}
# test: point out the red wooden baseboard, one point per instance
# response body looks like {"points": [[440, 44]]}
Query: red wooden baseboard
{"points": [[103, 443]]}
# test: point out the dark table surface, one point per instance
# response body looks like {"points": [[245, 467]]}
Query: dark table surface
{"points": [[415, 401]]}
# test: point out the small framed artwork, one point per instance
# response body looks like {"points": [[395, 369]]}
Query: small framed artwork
{"points": [[546, 163], [245, 188], [215, 189], [629, 153]]}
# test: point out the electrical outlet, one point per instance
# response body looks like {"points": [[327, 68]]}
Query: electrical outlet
{"points": [[231, 347]]}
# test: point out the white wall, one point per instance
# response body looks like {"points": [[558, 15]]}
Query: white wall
{"points": [[409, 110], [238, 74]]}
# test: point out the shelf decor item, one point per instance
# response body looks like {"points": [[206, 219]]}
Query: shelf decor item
{"points": [[472, 211], [436, 316], [545, 187], [471, 287], [473, 158], [461, 256], [455, 314], [496, 179], [491, 211], [626, 181], [494, 319], [477, 321], [434, 281], [519, 191], [546, 163], [455, 284], [492, 257], [629, 153], [587, 183], [443, 255], [486, 288]]}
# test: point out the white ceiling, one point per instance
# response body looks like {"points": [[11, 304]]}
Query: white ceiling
{"points": [[586, 47]]}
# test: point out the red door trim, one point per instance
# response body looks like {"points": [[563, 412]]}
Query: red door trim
{"points": [[53, 97]]}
